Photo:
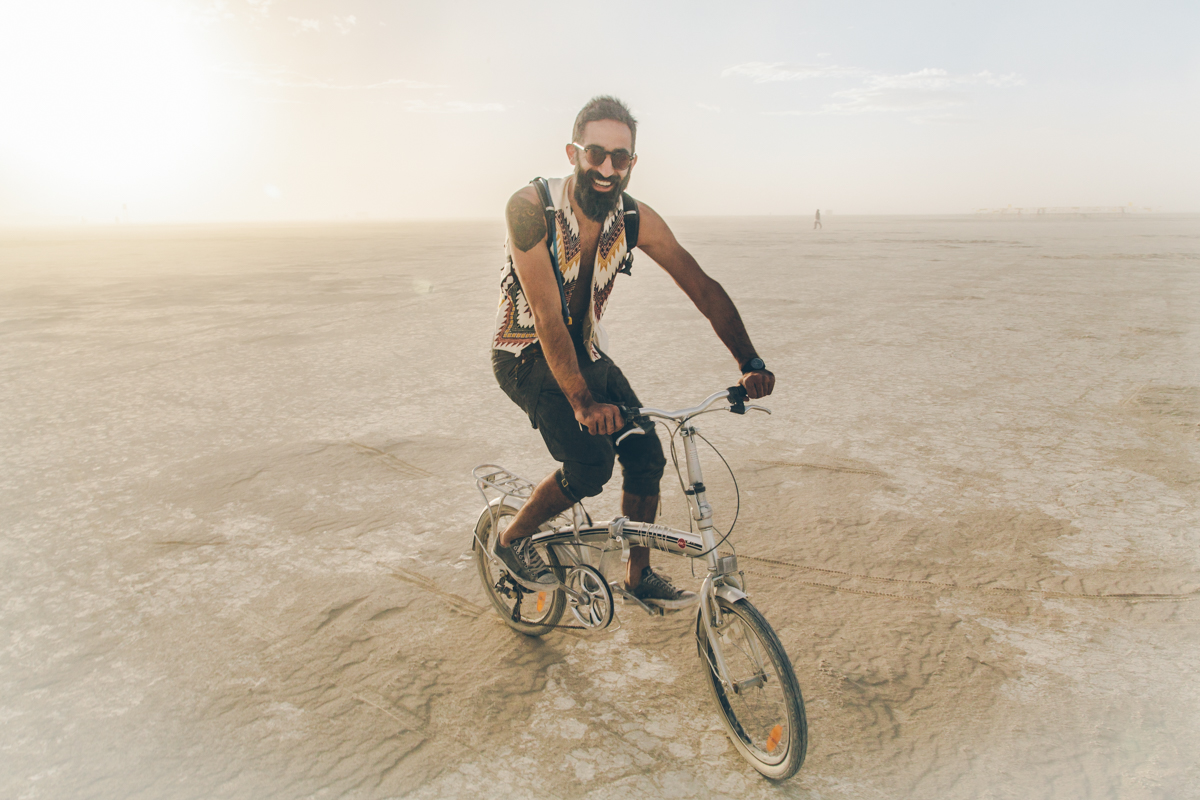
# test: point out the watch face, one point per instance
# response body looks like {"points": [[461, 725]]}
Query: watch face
{"points": [[754, 364]]}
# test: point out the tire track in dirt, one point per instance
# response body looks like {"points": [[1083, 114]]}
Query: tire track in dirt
{"points": [[1125, 596]]}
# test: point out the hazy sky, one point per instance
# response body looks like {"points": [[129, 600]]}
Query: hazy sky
{"points": [[309, 109]]}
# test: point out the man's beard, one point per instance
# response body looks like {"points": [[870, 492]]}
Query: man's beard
{"points": [[597, 205]]}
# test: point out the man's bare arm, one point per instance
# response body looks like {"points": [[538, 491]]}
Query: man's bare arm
{"points": [[526, 222], [527, 233], [657, 240]]}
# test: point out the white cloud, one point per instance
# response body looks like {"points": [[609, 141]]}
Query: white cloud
{"points": [[295, 80], [211, 13], [261, 8], [930, 92], [306, 25], [707, 107], [924, 90], [941, 119], [450, 107], [762, 72], [345, 24], [403, 83]]}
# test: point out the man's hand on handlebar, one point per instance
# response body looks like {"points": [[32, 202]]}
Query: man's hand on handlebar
{"points": [[759, 383], [600, 419]]}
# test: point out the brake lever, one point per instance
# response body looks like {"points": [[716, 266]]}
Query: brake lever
{"points": [[737, 398], [630, 415], [636, 429]]}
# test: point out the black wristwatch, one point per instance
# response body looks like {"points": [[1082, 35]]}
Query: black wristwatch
{"points": [[753, 365]]}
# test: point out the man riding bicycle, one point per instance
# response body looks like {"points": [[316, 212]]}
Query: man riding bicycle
{"points": [[547, 349]]}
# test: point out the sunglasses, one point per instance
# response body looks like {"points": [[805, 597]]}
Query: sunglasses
{"points": [[596, 155]]}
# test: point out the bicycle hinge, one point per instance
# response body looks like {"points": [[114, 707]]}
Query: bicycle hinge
{"points": [[616, 528]]}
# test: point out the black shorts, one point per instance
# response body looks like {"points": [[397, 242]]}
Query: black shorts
{"points": [[587, 460]]}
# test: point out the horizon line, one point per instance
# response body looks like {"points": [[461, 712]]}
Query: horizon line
{"points": [[1011, 212]]}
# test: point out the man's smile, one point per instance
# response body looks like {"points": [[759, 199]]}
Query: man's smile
{"points": [[598, 194], [602, 184]]}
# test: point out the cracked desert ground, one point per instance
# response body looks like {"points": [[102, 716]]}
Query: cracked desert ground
{"points": [[235, 482]]}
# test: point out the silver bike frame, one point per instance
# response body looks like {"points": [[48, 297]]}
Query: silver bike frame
{"points": [[722, 580]]}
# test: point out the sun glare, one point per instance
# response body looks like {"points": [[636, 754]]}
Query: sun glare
{"points": [[102, 98]]}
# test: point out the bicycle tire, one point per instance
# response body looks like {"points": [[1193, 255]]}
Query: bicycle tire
{"points": [[765, 722], [533, 622]]}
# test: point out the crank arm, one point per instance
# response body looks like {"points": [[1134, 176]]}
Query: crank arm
{"points": [[576, 596]]}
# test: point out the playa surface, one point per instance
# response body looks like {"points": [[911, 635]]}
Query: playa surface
{"points": [[237, 513]]}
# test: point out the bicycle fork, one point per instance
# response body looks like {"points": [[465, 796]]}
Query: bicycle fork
{"points": [[721, 578], [714, 624]]}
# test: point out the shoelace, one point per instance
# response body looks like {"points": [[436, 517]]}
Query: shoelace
{"points": [[657, 581], [530, 556]]}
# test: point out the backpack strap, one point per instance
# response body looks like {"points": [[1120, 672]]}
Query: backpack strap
{"points": [[543, 190], [632, 221]]}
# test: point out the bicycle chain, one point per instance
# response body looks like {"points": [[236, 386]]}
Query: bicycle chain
{"points": [[516, 618]]}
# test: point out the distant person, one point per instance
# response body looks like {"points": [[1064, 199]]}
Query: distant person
{"points": [[547, 346], [817, 221]]}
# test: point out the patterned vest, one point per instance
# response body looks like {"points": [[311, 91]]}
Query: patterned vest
{"points": [[514, 319]]}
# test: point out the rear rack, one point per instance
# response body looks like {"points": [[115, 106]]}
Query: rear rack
{"points": [[497, 479]]}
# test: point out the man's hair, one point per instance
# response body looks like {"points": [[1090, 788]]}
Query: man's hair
{"points": [[604, 107]]}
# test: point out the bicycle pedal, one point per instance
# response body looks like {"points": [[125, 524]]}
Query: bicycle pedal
{"points": [[662, 612], [524, 587], [629, 600]]}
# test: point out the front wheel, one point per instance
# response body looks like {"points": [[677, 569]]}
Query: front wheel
{"points": [[538, 612], [761, 705]]}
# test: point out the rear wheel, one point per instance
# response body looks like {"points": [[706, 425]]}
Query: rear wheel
{"points": [[539, 611], [761, 707]]}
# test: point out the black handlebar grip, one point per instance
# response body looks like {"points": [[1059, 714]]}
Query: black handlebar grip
{"points": [[737, 399], [630, 415]]}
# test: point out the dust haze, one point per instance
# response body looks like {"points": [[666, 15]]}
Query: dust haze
{"points": [[238, 509]]}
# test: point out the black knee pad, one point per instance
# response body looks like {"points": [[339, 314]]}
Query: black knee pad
{"points": [[642, 462]]}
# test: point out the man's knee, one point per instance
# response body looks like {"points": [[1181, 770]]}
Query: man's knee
{"points": [[642, 462], [577, 480]]}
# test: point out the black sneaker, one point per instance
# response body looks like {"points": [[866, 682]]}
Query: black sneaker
{"points": [[656, 590], [525, 563]]}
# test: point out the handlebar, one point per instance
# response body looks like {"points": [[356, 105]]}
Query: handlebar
{"points": [[736, 394]]}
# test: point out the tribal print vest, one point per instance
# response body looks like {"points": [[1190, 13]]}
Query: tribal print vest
{"points": [[514, 319]]}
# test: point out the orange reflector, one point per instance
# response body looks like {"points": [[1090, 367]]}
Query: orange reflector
{"points": [[541, 600], [773, 739]]}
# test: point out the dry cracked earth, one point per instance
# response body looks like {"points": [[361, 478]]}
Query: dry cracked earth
{"points": [[237, 512]]}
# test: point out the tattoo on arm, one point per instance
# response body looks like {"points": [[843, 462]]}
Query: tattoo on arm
{"points": [[527, 222]]}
